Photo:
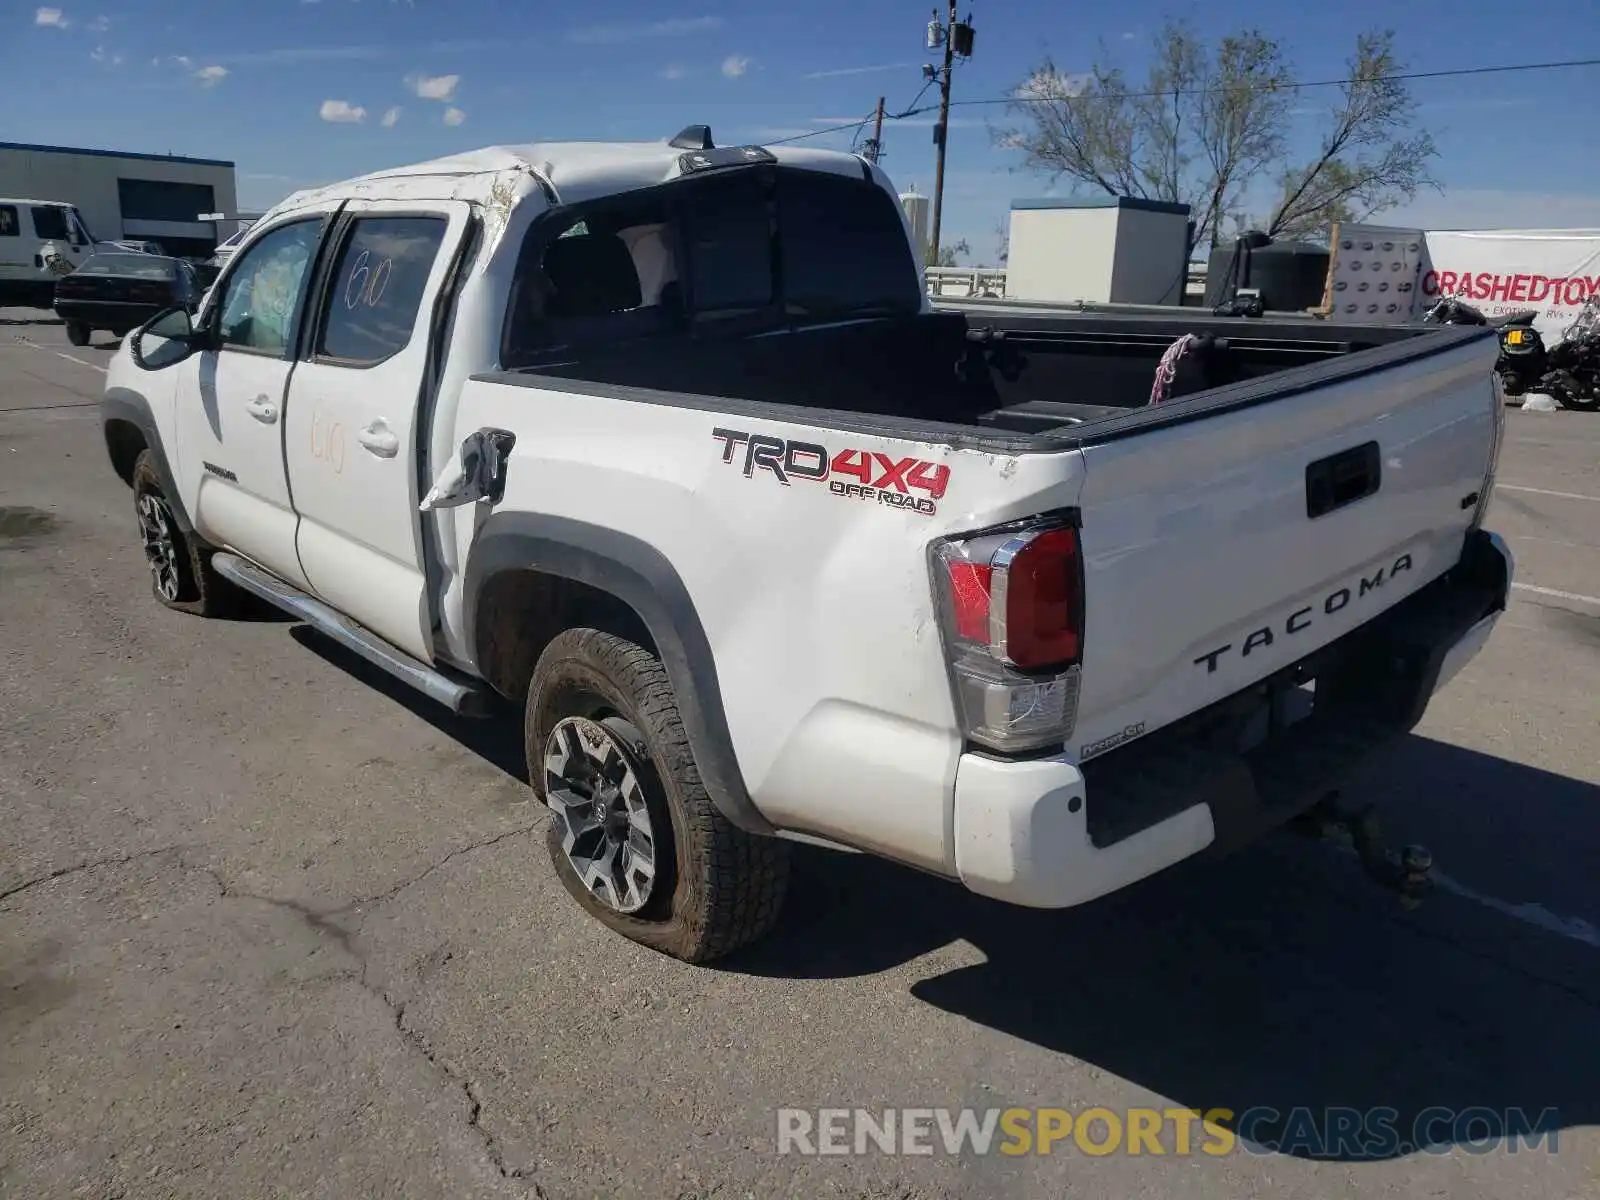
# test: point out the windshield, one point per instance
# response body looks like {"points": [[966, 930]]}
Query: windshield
{"points": [[140, 266], [83, 226]]}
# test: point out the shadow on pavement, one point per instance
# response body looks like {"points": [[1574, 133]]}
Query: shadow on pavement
{"points": [[496, 739], [1277, 983], [51, 320], [1272, 981]]}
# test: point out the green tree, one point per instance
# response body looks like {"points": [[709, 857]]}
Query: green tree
{"points": [[1205, 124]]}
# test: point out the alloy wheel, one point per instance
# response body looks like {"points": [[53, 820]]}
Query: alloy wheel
{"points": [[593, 787], [160, 547]]}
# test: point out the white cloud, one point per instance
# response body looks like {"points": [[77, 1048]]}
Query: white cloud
{"points": [[100, 24], [735, 65], [454, 116], [52, 17], [211, 76], [342, 112], [117, 60], [183, 60], [1129, 36], [433, 87], [673, 72], [98, 54], [671, 27], [1052, 85], [390, 117], [835, 74]]}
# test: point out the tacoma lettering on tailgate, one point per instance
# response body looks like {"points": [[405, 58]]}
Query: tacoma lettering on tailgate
{"points": [[858, 474], [1302, 618]]}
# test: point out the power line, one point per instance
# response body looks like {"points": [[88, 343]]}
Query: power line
{"points": [[910, 110], [1457, 73]]}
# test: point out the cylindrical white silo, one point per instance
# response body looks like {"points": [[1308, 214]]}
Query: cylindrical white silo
{"points": [[916, 206]]}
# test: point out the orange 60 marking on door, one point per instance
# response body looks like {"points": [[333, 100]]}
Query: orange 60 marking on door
{"points": [[327, 445]]}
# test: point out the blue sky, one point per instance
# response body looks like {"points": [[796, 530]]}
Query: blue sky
{"points": [[306, 91]]}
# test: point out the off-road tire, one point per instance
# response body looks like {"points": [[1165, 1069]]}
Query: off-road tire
{"points": [[201, 591], [78, 333], [717, 887]]}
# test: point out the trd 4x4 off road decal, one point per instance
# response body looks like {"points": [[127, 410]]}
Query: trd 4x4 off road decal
{"points": [[859, 474]]}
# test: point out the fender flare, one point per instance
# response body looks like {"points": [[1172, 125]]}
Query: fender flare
{"points": [[124, 404], [640, 576]]}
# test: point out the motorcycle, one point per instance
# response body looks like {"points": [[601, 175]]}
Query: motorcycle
{"points": [[1523, 359], [1568, 372], [1447, 310], [1572, 365]]}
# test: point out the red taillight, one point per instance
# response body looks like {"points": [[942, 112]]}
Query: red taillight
{"points": [[1039, 595], [969, 598], [1012, 611], [1020, 595]]}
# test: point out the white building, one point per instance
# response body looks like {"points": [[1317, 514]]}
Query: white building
{"points": [[154, 197], [1103, 249]]}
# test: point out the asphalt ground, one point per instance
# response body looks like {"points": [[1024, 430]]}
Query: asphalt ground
{"points": [[272, 926]]}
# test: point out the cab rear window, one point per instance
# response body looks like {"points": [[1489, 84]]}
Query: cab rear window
{"points": [[138, 266], [747, 249]]}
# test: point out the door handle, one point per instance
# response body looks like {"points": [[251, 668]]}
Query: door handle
{"points": [[262, 409], [377, 438]]}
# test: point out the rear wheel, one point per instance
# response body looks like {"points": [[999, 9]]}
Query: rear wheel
{"points": [[181, 575], [78, 333], [633, 835]]}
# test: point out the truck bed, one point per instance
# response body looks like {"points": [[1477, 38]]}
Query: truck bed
{"points": [[1082, 376], [1226, 535]]}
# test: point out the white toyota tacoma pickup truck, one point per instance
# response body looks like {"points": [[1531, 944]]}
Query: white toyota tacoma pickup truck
{"points": [[665, 444]]}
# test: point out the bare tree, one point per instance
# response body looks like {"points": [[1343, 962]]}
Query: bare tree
{"points": [[1002, 242], [1368, 158], [949, 253], [1205, 125]]}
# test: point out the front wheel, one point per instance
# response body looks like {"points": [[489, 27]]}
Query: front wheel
{"points": [[633, 835], [78, 333], [181, 575]]}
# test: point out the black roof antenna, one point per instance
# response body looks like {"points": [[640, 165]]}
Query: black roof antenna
{"points": [[694, 137]]}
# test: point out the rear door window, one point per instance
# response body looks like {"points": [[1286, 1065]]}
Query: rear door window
{"points": [[8, 221], [378, 283]]}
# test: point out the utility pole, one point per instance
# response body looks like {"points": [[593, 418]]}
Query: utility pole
{"points": [[956, 37], [875, 146]]}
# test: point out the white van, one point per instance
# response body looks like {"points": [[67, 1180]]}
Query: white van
{"points": [[28, 230]]}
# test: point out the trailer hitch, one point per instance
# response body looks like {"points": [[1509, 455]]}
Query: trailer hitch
{"points": [[1408, 871]]}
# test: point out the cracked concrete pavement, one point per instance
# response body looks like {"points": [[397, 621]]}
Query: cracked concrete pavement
{"points": [[272, 926]]}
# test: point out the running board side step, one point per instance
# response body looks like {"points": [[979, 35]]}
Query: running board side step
{"points": [[460, 697]]}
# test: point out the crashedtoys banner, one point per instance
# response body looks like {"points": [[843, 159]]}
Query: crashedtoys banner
{"points": [[1551, 271]]}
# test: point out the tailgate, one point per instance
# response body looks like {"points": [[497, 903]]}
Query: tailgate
{"points": [[1221, 549]]}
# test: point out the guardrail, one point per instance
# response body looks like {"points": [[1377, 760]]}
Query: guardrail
{"points": [[990, 282], [966, 281]]}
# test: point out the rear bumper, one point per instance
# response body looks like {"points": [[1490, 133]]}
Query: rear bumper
{"points": [[1046, 833], [119, 317]]}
